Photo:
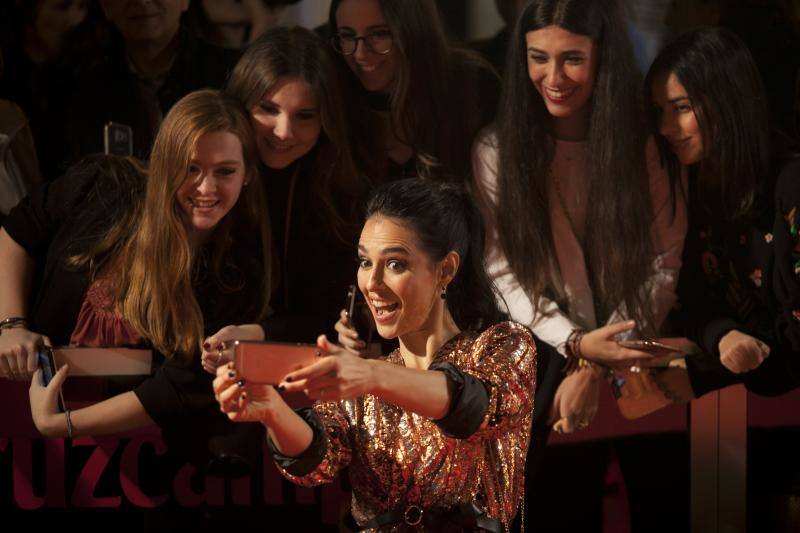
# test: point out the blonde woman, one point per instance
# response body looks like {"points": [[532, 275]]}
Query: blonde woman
{"points": [[159, 262]]}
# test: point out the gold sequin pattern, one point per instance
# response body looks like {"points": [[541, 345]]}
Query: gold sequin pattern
{"points": [[398, 458]]}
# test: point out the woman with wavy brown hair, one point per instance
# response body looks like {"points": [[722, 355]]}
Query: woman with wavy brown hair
{"points": [[159, 260], [289, 83]]}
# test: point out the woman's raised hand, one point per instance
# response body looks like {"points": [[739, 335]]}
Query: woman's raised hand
{"points": [[348, 336], [18, 347], [338, 375], [245, 402], [218, 348]]}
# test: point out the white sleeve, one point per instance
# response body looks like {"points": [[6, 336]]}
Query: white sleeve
{"points": [[551, 325]]}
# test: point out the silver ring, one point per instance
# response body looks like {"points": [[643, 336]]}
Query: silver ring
{"points": [[219, 356], [635, 368]]}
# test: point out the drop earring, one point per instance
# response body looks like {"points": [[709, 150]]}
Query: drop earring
{"points": [[444, 293]]}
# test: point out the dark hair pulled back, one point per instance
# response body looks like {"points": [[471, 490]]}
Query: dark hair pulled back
{"points": [[444, 218]]}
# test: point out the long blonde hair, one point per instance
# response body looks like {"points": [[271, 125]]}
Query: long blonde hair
{"points": [[155, 267]]}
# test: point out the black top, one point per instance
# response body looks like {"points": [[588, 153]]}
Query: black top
{"points": [[314, 263], [745, 275], [49, 224]]}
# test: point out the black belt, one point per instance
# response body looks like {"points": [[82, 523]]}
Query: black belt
{"points": [[466, 517]]}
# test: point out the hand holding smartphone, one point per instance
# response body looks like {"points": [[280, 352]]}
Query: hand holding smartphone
{"points": [[47, 363], [358, 314], [662, 349]]}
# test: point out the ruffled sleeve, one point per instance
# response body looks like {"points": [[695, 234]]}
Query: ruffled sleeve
{"points": [[503, 358]]}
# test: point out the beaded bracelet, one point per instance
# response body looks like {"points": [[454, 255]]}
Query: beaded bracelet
{"points": [[573, 349]]}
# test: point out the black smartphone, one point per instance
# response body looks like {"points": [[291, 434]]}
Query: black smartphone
{"points": [[359, 314], [118, 139], [46, 362]]}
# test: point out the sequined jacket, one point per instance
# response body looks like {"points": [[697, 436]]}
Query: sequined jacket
{"points": [[398, 458]]}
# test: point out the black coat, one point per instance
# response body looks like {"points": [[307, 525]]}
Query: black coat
{"points": [[745, 275]]}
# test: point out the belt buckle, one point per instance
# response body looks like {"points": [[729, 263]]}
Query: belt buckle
{"points": [[413, 515]]}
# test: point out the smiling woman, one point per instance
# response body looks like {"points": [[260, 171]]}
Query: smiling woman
{"points": [[740, 288], [586, 227], [420, 100], [136, 260], [217, 173], [288, 82], [435, 433]]}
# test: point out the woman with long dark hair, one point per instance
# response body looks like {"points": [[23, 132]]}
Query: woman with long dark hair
{"points": [[739, 289], [421, 100], [435, 434], [288, 82], [588, 230]]}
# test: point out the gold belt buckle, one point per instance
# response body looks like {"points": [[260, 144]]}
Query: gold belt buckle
{"points": [[413, 515]]}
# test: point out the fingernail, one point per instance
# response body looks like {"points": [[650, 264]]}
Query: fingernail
{"points": [[207, 345], [240, 382], [231, 374], [289, 379], [281, 388], [244, 395]]}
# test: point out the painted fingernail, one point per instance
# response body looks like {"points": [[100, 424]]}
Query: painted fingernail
{"points": [[231, 374], [244, 395], [240, 382], [289, 379], [207, 345], [281, 388]]}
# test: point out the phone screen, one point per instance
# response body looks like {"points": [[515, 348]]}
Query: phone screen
{"points": [[118, 139]]}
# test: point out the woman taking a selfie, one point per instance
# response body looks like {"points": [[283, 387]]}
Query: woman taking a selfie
{"points": [[436, 432]]}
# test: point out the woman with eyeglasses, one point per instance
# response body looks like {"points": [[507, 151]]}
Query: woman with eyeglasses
{"points": [[587, 230], [422, 101]]}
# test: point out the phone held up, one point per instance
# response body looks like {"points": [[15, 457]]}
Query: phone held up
{"points": [[270, 362], [359, 314], [117, 139]]}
